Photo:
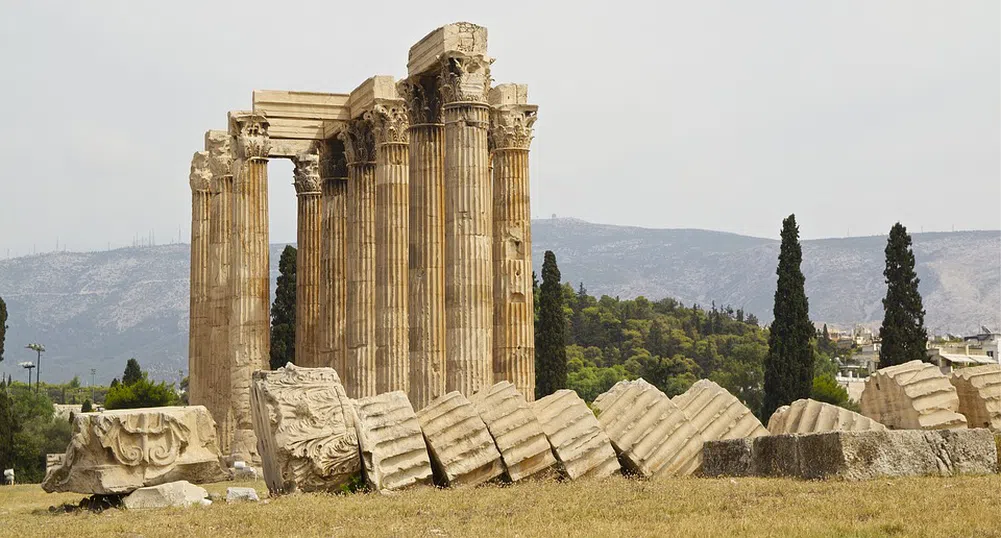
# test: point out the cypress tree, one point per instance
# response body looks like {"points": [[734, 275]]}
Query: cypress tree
{"points": [[3, 328], [789, 364], [550, 332], [133, 373], [8, 427], [902, 334], [283, 312]]}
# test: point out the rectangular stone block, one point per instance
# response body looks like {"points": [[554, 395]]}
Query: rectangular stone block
{"points": [[729, 457], [508, 94], [120, 451], [394, 454], [373, 90], [461, 37], [517, 433], [462, 451], [580, 445]]}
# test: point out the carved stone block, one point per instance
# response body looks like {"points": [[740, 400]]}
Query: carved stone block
{"points": [[915, 395], [811, 416], [393, 451], [716, 413], [305, 426], [580, 445], [462, 451], [460, 37], [651, 434], [519, 436], [119, 451], [979, 390]]}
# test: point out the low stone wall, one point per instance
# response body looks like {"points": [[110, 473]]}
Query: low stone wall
{"points": [[855, 455]]}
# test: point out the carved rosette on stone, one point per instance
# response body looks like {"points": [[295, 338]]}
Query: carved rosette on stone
{"points": [[306, 427], [119, 451]]}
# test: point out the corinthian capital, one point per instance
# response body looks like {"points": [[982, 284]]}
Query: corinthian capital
{"points": [[390, 123], [307, 173], [464, 78], [251, 132], [422, 99], [200, 176], [217, 143], [359, 140], [511, 126]]}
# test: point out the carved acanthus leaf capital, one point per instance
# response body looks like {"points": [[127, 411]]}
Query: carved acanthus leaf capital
{"points": [[252, 139], [359, 140], [511, 126], [333, 161], [422, 99], [217, 143], [200, 176], [390, 123], [307, 173], [464, 78]]}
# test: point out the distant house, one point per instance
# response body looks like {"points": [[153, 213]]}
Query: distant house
{"points": [[950, 357]]}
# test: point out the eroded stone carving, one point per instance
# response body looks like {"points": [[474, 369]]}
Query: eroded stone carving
{"points": [[120, 451], [217, 143], [464, 78], [200, 177], [914, 395], [422, 99], [390, 123], [307, 173], [359, 140], [252, 141], [392, 445], [516, 431], [979, 390], [579, 444], [811, 416], [305, 426], [462, 451], [511, 126], [648, 431]]}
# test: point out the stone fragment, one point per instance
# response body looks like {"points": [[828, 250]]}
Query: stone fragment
{"points": [[855, 455], [462, 451], [241, 494], [53, 461], [119, 451], [811, 416], [393, 451], [578, 442], [516, 431], [305, 426], [979, 390], [914, 395], [716, 414], [651, 435], [181, 493]]}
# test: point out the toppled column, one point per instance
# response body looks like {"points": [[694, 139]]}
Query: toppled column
{"points": [[393, 451], [306, 426], [511, 121], [516, 431], [359, 147], [979, 391], [307, 265], [392, 225], [200, 180], [915, 395], [218, 144], [811, 416], [119, 451], [462, 451], [716, 413], [426, 303], [333, 258], [580, 445], [650, 434], [250, 278]]}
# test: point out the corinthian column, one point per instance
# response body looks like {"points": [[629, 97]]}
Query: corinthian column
{"points": [[250, 273], [426, 316], [307, 264], [392, 225], [360, 371], [333, 257], [217, 143], [514, 320], [198, 329], [468, 224]]}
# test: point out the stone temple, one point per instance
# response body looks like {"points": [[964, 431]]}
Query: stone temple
{"points": [[414, 236]]}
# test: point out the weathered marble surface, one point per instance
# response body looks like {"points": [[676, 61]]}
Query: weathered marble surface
{"points": [[811, 416], [174, 494], [462, 451], [516, 431], [393, 451], [716, 414], [579, 444], [120, 451], [979, 390], [914, 395]]}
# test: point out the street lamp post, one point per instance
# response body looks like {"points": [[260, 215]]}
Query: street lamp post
{"points": [[38, 348], [27, 365]]}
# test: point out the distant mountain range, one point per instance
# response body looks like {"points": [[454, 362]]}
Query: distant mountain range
{"points": [[97, 309]]}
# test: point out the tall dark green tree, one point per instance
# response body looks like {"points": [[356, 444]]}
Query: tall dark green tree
{"points": [[550, 332], [133, 373], [903, 333], [3, 325], [789, 364], [283, 312], [8, 427]]}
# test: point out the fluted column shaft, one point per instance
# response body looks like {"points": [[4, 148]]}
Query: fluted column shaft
{"points": [[307, 279], [333, 275], [427, 270], [198, 330], [468, 246]]}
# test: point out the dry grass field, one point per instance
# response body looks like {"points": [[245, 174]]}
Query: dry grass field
{"points": [[933, 507]]}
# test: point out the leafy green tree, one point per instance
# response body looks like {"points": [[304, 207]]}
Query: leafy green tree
{"points": [[283, 311], [827, 389], [8, 427], [133, 373], [142, 393], [3, 330], [36, 434], [87, 407], [550, 332], [903, 333], [789, 365]]}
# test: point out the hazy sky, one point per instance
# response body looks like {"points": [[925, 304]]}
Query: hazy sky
{"points": [[718, 115]]}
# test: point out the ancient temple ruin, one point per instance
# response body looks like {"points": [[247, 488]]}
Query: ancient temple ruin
{"points": [[414, 235]]}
